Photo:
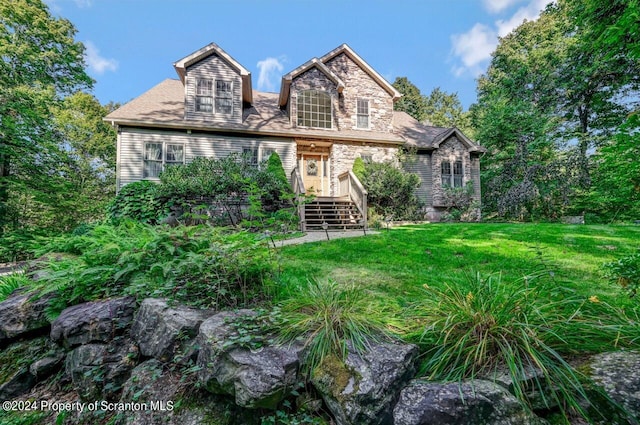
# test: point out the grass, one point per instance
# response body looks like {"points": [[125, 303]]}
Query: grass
{"points": [[479, 298], [398, 262]]}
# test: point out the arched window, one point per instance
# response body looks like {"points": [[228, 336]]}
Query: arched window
{"points": [[314, 109]]}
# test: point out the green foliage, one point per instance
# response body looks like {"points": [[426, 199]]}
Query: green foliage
{"points": [[20, 244], [326, 315], [358, 168], [475, 327], [460, 203], [443, 109], [199, 265], [411, 101], [41, 64], [391, 190], [138, 201], [9, 283], [625, 272]]}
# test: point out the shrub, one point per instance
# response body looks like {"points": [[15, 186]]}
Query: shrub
{"points": [[358, 168], [138, 201], [200, 265], [477, 326], [625, 272], [18, 245], [391, 190], [326, 315], [460, 203]]}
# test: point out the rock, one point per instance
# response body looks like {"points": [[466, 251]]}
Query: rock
{"points": [[619, 374], [99, 370], [161, 331], [21, 382], [258, 378], [475, 402], [363, 389], [46, 366], [97, 321], [531, 379], [23, 313], [163, 391]]}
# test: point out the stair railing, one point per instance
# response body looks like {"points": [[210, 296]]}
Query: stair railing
{"points": [[298, 189], [350, 186]]}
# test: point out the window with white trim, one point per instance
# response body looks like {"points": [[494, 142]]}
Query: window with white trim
{"points": [[451, 173], [314, 109], [362, 113], [158, 155], [204, 95], [224, 97], [250, 155]]}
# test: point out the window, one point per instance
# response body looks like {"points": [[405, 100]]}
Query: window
{"points": [[224, 97], [451, 174], [362, 113], [266, 153], [158, 155], [204, 95], [367, 159], [250, 155], [314, 109]]}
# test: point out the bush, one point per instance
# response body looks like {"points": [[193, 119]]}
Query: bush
{"points": [[325, 315], [19, 245], [139, 201], [477, 326], [200, 265], [391, 190], [625, 272]]}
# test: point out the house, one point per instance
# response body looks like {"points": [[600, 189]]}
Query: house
{"points": [[329, 111]]}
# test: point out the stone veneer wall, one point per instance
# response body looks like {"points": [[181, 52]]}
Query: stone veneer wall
{"points": [[359, 85], [313, 79], [450, 150], [343, 155]]}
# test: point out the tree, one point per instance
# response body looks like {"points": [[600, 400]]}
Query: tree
{"points": [[411, 101], [444, 109], [41, 63], [546, 75]]}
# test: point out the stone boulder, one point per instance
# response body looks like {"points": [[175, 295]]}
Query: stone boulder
{"points": [[23, 313], [162, 390], [17, 384], [98, 371], [475, 402], [162, 331], [532, 379], [363, 389], [618, 373], [97, 321], [256, 378]]}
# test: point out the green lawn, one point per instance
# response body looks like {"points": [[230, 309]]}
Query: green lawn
{"points": [[398, 262]]}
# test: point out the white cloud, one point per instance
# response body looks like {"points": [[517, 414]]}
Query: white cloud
{"points": [[497, 6], [529, 13], [270, 69], [473, 48], [97, 63]]}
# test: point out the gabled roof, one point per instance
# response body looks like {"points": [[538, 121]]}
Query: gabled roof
{"points": [[211, 48], [287, 78], [428, 137], [344, 48]]}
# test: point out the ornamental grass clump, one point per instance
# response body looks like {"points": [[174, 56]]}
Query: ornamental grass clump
{"points": [[478, 327], [326, 315]]}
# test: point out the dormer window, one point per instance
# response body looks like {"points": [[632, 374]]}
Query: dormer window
{"points": [[314, 109], [204, 95], [224, 97]]}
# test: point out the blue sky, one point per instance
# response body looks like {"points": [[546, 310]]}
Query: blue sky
{"points": [[132, 44]]}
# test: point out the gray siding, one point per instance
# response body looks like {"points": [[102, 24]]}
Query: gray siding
{"points": [[420, 164], [214, 68], [132, 140]]}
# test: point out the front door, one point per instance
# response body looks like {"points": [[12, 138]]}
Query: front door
{"points": [[315, 173]]}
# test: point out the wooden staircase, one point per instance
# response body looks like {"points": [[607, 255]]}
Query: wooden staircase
{"points": [[339, 213]]}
